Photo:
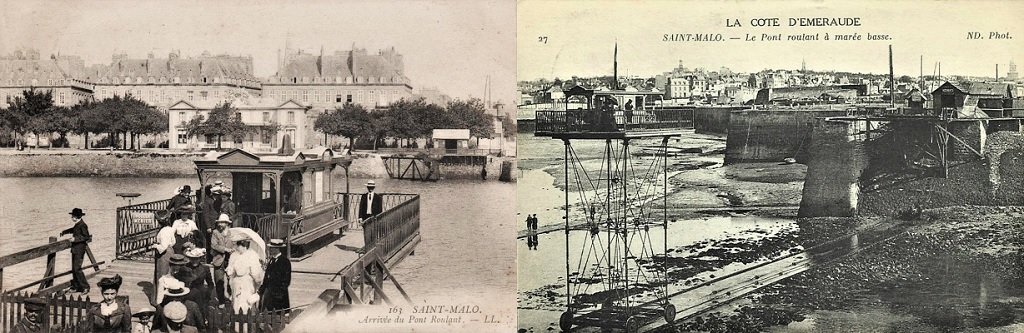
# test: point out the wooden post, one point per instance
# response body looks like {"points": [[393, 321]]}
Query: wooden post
{"points": [[51, 262]]}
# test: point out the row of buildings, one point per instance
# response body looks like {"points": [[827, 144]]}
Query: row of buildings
{"points": [[186, 86]]}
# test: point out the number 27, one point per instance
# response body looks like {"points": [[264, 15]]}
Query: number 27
{"points": [[542, 39]]}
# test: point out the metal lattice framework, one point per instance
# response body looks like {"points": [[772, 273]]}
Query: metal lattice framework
{"points": [[620, 267]]}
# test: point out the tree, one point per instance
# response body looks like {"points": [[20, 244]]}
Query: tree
{"points": [[471, 114], [23, 109], [58, 119], [350, 121], [220, 122]]}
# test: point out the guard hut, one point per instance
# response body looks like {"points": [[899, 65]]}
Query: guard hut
{"points": [[289, 197], [451, 140]]}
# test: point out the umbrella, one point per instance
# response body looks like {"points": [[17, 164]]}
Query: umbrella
{"points": [[256, 242]]}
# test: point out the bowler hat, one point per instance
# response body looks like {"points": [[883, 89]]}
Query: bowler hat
{"points": [[276, 243], [34, 304], [77, 212], [179, 259], [175, 311]]}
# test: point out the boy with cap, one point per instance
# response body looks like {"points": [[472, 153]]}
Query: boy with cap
{"points": [[80, 237], [175, 314], [33, 320]]}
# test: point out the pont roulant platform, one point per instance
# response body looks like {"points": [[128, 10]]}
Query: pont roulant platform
{"points": [[613, 135]]}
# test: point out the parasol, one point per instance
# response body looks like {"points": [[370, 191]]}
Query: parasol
{"points": [[256, 242]]}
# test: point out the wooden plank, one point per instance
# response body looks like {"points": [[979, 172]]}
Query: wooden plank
{"points": [[36, 252], [50, 278], [378, 289]]}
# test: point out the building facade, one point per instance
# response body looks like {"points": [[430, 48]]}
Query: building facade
{"points": [[163, 81], [25, 70], [256, 112], [328, 81]]}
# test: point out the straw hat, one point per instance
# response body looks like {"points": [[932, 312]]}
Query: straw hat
{"points": [[175, 287], [276, 243], [195, 252], [371, 184], [175, 311], [179, 259], [224, 218], [144, 312]]}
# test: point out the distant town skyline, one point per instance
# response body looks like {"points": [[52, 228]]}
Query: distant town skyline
{"points": [[561, 39], [454, 47]]}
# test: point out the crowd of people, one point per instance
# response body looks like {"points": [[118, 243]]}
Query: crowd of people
{"points": [[197, 267]]}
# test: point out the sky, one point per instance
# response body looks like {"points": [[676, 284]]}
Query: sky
{"points": [[581, 36], [450, 45]]}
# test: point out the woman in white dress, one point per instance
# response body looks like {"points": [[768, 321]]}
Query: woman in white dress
{"points": [[164, 247], [245, 274]]}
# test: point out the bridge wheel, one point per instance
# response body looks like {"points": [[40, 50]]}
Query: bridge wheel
{"points": [[632, 324], [565, 321], [670, 312]]}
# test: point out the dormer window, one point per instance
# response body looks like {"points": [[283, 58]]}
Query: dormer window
{"points": [[295, 80]]}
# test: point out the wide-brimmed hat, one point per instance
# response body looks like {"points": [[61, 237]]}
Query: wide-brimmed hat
{"points": [[276, 242], [175, 287], [34, 304], [371, 184], [186, 209], [144, 312], [224, 218], [175, 311], [238, 237], [77, 212], [196, 252], [179, 259], [186, 188], [110, 282]]}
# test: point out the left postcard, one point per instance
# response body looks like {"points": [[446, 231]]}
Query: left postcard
{"points": [[252, 166]]}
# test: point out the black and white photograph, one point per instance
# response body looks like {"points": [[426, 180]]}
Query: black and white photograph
{"points": [[769, 166], [257, 166]]}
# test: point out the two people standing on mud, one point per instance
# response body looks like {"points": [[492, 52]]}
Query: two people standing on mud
{"points": [[531, 227]]}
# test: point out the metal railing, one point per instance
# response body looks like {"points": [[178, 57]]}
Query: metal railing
{"points": [[390, 230], [137, 226], [617, 121]]}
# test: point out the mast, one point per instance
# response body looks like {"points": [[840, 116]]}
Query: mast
{"points": [[892, 81], [615, 68]]}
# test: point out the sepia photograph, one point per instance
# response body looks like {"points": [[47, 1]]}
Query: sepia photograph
{"points": [[257, 166], [763, 166]]}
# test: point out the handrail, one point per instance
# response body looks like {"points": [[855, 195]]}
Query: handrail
{"points": [[36, 252], [50, 251]]}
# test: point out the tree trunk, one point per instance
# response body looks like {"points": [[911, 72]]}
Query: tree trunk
{"points": [[133, 140], [218, 141], [86, 140], [351, 145], [113, 140]]}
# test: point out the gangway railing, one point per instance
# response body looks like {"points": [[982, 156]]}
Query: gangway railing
{"points": [[581, 121]]}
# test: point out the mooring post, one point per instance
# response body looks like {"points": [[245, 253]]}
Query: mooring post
{"points": [[51, 262], [565, 163]]}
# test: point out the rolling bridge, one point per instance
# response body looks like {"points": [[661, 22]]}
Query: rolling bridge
{"points": [[619, 281]]}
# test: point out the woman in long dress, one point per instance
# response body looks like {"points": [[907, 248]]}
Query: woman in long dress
{"points": [[245, 274]]}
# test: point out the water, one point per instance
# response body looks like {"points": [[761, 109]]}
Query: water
{"points": [[466, 229]]}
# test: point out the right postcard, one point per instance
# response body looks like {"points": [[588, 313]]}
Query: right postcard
{"points": [[752, 166]]}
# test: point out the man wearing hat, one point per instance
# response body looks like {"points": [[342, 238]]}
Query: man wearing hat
{"points": [[278, 276], [177, 263], [145, 324], [221, 247], [33, 320], [180, 199], [80, 237], [370, 205], [177, 292], [175, 316]]}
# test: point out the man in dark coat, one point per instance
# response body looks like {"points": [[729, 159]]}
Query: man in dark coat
{"points": [[274, 290], [80, 237], [33, 320], [180, 200], [371, 203]]}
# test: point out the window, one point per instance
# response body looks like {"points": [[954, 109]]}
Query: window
{"points": [[348, 99], [337, 99], [210, 139], [182, 137], [318, 177], [266, 136], [181, 115], [291, 117], [203, 94], [266, 117], [305, 95], [190, 95], [61, 97], [238, 139], [238, 115]]}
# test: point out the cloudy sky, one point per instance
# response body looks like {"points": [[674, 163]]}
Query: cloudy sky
{"points": [[581, 35], [451, 45]]}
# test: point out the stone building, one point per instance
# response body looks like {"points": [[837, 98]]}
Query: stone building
{"points": [[162, 81], [328, 81], [24, 70], [254, 111]]}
